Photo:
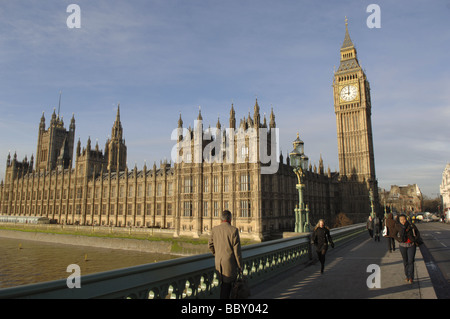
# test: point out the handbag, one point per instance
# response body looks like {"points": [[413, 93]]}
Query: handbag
{"points": [[241, 289], [417, 239], [385, 231]]}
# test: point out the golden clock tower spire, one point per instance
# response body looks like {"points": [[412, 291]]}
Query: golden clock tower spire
{"points": [[352, 106]]}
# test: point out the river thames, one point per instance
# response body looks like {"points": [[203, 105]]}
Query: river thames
{"points": [[25, 262]]}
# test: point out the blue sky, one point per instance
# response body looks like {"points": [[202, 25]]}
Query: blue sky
{"points": [[160, 58]]}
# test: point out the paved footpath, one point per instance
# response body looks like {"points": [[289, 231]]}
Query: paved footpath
{"points": [[345, 275]]}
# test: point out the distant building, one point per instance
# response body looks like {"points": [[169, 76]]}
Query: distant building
{"points": [[402, 199], [445, 187]]}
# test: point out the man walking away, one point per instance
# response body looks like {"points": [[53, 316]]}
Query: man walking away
{"points": [[389, 222], [225, 245], [376, 228]]}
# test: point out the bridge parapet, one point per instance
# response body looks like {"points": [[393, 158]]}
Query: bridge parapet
{"points": [[187, 277]]}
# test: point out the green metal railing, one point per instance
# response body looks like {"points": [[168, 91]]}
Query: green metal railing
{"points": [[188, 277]]}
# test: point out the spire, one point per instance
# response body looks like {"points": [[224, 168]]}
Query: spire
{"points": [[42, 123], [349, 58], [321, 168], [272, 119], [116, 132], [256, 116], [232, 117], [199, 117], [256, 107], [59, 103], [347, 41], [78, 148], [53, 120], [218, 126], [118, 113], [180, 122], [72, 122]]}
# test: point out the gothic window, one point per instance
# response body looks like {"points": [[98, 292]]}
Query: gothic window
{"points": [[205, 209], [244, 182], [245, 208], [206, 185], [216, 208], [187, 185], [225, 183], [187, 211], [158, 209], [159, 189], [216, 184]]}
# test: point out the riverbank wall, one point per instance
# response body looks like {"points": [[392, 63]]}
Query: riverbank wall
{"points": [[153, 242]]}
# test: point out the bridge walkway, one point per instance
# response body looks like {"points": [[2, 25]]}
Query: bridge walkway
{"points": [[346, 274]]}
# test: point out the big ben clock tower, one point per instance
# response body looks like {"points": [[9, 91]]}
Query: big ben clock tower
{"points": [[352, 106]]}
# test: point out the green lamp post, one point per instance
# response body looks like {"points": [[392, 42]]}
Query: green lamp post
{"points": [[299, 163], [372, 213]]}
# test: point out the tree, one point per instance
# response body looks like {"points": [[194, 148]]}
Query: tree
{"points": [[342, 220], [431, 205]]}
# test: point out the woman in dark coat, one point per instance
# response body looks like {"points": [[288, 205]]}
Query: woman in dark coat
{"points": [[389, 222], [320, 238], [407, 235]]}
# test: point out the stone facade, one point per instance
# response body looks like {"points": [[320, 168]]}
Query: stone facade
{"points": [[402, 199], [352, 106], [185, 196], [445, 188]]}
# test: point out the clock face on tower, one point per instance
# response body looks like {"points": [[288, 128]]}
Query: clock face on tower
{"points": [[348, 93]]}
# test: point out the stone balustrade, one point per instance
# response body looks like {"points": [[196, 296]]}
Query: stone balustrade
{"points": [[187, 277]]}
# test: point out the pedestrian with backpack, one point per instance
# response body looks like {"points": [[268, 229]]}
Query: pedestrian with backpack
{"points": [[409, 237]]}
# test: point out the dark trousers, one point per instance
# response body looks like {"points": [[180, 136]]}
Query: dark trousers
{"points": [[321, 251], [408, 255], [225, 290], [370, 233], [391, 243], [377, 235]]}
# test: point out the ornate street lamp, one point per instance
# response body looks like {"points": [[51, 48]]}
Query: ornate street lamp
{"points": [[371, 202], [299, 162]]}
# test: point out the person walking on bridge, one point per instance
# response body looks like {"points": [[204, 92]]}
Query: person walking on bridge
{"points": [[389, 222], [376, 228], [407, 236], [320, 238], [225, 245], [369, 226]]}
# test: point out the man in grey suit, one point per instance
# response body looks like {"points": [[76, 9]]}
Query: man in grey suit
{"points": [[225, 245]]}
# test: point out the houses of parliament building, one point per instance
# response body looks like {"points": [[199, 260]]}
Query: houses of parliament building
{"points": [[95, 187]]}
